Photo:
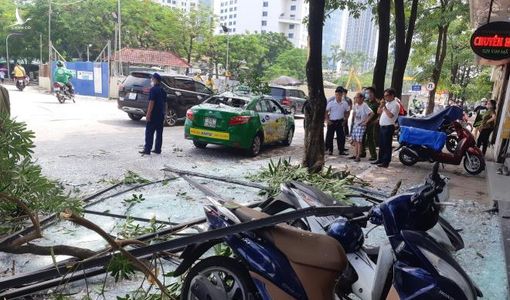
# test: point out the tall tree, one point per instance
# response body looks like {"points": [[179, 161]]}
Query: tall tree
{"points": [[315, 113], [403, 41], [313, 158], [381, 61]]}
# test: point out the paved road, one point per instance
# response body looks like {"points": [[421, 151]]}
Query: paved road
{"points": [[91, 139]]}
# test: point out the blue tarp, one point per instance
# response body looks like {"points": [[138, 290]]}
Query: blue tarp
{"points": [[435, 120], [89, 78], [416, 136]]}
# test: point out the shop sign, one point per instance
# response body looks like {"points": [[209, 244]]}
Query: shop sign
{"points": [[492, 41]]}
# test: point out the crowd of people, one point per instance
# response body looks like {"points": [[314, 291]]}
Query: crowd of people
{"points": [[373, 124]]}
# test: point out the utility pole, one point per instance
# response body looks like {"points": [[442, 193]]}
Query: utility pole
{"points": [[7, 53], [88, 52], [40, 49], [119, 35], [49, 36]]}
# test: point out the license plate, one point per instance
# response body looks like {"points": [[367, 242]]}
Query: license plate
{"points": [[218, 135], [132, 96], [210, 122]]}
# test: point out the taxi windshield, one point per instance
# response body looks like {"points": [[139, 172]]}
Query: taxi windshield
{"points": [[230, 101]]}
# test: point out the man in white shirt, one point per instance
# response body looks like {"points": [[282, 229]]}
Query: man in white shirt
{"points": [[388, 110], [337, 112]]}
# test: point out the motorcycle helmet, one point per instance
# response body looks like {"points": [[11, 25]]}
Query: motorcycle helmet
{"points": [[347, 233], [60, 63]]}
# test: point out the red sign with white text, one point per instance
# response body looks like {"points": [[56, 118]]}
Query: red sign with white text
{"points": [[492, 41]]}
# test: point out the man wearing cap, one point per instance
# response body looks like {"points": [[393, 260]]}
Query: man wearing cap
{"points": [[337, 111], [155, 116]]}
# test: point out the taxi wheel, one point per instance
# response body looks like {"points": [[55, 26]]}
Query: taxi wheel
{"points": [[290, 136], [200, 145], [256, 144]]}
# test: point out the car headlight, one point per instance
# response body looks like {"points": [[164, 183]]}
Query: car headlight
{"points": [[448, 271]]}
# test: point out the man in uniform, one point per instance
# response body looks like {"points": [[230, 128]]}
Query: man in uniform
{"points": [[388, 111], [337, 112], [155, 116]]}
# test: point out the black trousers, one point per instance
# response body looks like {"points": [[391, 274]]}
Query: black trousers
{"points": [[385, 141], [483, 139], [336, 126], [151, 128]]}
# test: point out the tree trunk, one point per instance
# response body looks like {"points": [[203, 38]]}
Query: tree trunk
{"points": [[381, 62], [315, 110], [442, 38], [403, 42], [189, 53]]}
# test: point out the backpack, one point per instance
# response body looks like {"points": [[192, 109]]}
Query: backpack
{"points": [[402, 111]]}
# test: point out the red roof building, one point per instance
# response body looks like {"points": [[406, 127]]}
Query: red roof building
{"points": [[150, 57]]}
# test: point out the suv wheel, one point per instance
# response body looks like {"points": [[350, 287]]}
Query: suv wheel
{"points": [[170, 117], [135, 117]]}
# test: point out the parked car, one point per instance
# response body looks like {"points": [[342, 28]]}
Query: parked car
{"points": [[182, 93], [240, 121], [290, 97]]}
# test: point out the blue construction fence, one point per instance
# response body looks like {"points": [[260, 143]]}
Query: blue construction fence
{"points": [[89, 78]]}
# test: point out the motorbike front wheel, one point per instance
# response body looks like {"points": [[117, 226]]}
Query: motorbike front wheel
{"points": [[218, 277], [474, 164], [406, 158], [61, 98], [451, 143]]}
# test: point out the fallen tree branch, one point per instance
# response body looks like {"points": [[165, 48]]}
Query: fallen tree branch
{"points": [[36, 233], [80, 253], [151, 276]]}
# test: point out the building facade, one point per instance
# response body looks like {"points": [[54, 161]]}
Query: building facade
{"points": [[335, 29], [184, 5], [260, 16], [361, 36]]}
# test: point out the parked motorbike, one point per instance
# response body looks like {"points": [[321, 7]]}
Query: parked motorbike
{"points": [[439, 121], [62, 92], [425, 145], [284, 262], [367, 264], [21, 83]]}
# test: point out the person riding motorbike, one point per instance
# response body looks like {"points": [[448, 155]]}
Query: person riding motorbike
{"points": [[19, 72], [63, 75]]}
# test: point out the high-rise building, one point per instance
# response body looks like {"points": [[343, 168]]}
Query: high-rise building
{"points": [[259, 16], [334, 34], [361, 36], [184, 5]]}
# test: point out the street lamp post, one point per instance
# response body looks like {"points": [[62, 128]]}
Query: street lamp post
{"points": [[227, 30], [7, 53], [88, 51]]}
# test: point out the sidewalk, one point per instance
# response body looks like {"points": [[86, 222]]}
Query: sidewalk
{"points": [[498, 186], [483, 255]]}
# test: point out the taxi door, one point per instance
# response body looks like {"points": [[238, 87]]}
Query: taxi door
{"points": [[272, 120]]}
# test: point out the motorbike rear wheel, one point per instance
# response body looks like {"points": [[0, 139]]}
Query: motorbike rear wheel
{"points": [[407, 159], [218, 277], [474, 164]]}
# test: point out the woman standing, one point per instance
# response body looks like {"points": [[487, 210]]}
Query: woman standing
{"points": [[487, 125], [362, 114]]}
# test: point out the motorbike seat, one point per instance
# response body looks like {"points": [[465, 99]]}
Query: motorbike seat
{"points": [[301, 247]]}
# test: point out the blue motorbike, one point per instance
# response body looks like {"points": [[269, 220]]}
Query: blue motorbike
{"points": [[284, 262]]}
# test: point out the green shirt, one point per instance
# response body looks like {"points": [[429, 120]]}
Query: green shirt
{"points": [[373, 106], [62, 75]]}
